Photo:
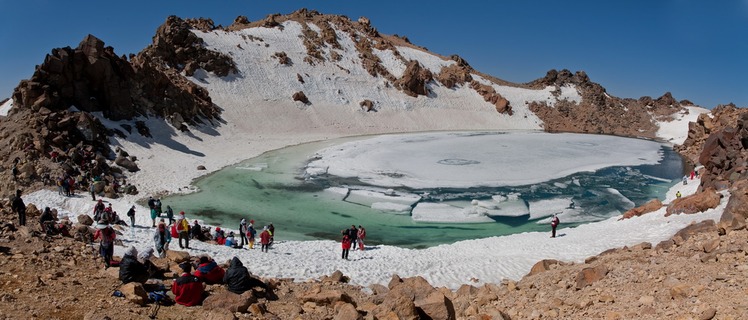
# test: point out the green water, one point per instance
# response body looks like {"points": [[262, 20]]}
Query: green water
{"points": [[302, 210]]}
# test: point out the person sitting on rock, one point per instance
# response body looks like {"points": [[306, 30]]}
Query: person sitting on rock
{"points": [[209, 271], [238, 280], [188, 289], [47, 221], [130, 269]]}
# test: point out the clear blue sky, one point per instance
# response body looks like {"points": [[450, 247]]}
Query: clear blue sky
{"points": [[696, 49]]}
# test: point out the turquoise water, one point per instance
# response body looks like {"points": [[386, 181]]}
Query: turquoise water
{"points": [[271, 188]]}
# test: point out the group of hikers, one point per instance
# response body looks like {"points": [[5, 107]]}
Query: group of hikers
{"points": [[352, 237], [189, 287]]}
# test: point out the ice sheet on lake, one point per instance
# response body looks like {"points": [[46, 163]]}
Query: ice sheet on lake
{"points": [[396, 208], [547, 207], [369, 197], [442, 212], [461, 160]]}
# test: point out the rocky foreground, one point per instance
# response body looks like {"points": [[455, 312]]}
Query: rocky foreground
{"points": [[700, 273]]}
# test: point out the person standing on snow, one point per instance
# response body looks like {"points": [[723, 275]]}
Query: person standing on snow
{"points": [[243, 232], [353, 236], [265, 239], [161, 239], [131, 214], [251, 233], [554, 223], [183, 228], [170, 214], [346, 245], [154, 213], [360, 237]]}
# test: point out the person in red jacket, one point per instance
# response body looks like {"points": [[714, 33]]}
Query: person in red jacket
{"points": [[346, 244], [188, 289], [265, 239], [209, 271]]}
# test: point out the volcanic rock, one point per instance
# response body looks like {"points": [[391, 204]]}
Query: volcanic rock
{"points": [[699, 202], [650, 206]]}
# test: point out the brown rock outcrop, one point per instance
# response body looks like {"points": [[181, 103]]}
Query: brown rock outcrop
{"points": [[541, 266], [367, 105], [300, 96], [414, 80], [698, 202], [590, 275], [490, 95], [736, 211], [599, 112], [453, 75], [650, 206], [227, 300]]}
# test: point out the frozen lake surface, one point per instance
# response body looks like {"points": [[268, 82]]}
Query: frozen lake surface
{"points": [[420, 190]]}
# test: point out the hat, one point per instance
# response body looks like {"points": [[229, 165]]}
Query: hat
{"points": [[181, 213], [185, 266], [244, 221], [231, 233], [251, 220], [131, 251], [102, 224], [218, 228], [265, 228], [145, 255], [203, 259]]}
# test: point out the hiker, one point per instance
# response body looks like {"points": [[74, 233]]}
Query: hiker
{"points": [[131, 214], [271, 231], [243, 232], [685, 180], [106, 235], [162, 239], [92, 189], [98, 210], [209, 271], [219, 236], [677, 195], [196, 232], [352, 233], [264, 239], [238, 279], [154, 213], [346, 244], [130, 269], [188, 289], [14, 171], [170, 214], [47, 221], [361, 236], [183, 228], [251, 233], [554, 223], [19, 207], [231, 241], [157, 205]]}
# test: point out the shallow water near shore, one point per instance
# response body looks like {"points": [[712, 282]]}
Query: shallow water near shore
{"points": [[275, 188]]}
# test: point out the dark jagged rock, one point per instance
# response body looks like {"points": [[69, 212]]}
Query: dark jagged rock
{"points": [[414, 80]]}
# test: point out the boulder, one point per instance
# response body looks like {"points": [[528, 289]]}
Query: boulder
{"points": [[590, 275], [300, 96], [177, 256], [651, 206], [736, 211], [346, 311], [699, 202], [696, 228], [135, 293], [541, 266], [126, 163], [227, 300], [436, 306], [414, 80], [325, 297], [336, 276], [396, 305], [85, 219], [367, 105], [32, 210], [201, 167]]}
